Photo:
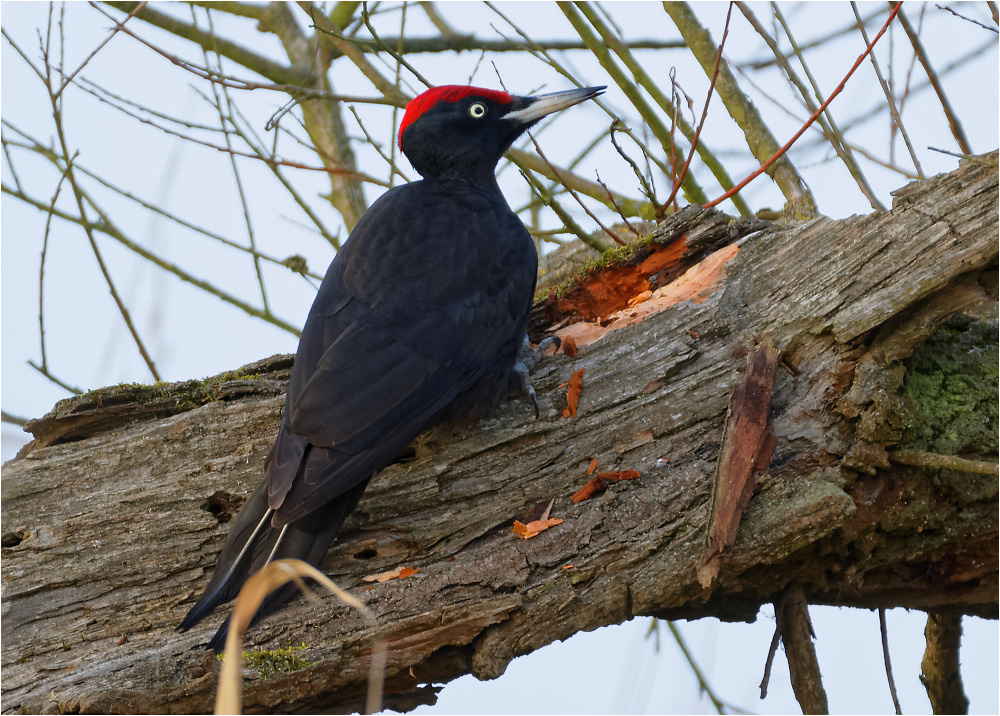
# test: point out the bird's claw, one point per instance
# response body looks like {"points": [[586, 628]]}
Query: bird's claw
{"points": [[526, 358]]}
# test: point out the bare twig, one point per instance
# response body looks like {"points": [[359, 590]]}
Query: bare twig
{"points": [[624, 53], [967, 19], [41, 268], [12, 419], [888, 663], [224, 122], [918, 49], [68, 159], [758, 135], [829, 99], [703, 684], [829, 126], [919, 458], [617, 125], [563, 215], [397, 56], [599, 47], [62, 384], [771, 651], [67, 79], [106, 226], [704, 116], [896, 118], [621, 215]]}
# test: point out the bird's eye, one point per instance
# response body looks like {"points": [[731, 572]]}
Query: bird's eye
{"points": [[477, 110]]}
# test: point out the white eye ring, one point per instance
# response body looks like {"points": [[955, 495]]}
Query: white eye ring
{"points": [[477, 110]]}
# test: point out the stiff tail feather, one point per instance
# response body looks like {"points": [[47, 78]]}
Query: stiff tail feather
{"points": [[254, 542]]}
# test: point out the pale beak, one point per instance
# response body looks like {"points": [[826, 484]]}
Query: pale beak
{"points": [[531, 109]]}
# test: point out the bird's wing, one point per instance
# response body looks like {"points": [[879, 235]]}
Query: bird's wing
{"points": [[379, 357]]}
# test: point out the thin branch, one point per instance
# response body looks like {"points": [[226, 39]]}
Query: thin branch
{"points": [[624, 52], [67, 79], [333, 38], [792, 612], [771, 651], [621, 215], [48, 154], [829, 126], [819, 42], [576, 15], [549, 201], [263, 66], [967, 19], [41, 268], [22, 53], [919, 458], [806, 126], [257, 145], [647, 190], [224, 122], [107, 227], [896, 117], [12, 419], [573, 193], [523, 159], [703, 684], [704, 116], [65, 386], [68, 159], [918, 49], [759, 138], [888, 663], [397, 56]]}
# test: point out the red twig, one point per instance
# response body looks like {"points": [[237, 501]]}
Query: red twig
{"points": [[764, 167], [704, 115]]}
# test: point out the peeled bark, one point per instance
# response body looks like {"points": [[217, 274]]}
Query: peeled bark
{"points": [[114, 515]]}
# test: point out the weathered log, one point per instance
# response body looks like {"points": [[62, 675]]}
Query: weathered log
{"points": [[114, 515]]}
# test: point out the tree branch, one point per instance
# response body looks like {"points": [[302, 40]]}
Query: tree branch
{"points": [[114, 515]]}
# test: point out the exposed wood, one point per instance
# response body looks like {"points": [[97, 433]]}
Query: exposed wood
{"points": [[748, 443], [113, 518]]}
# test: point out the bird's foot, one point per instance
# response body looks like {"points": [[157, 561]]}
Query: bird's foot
{"points": [[526, 358]]}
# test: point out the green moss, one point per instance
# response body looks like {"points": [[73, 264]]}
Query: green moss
{"points": [[612, 257], [276, 661], [232, 375], [952, 381]]}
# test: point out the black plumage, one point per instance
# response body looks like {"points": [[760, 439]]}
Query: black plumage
{"points": [[420, 317]]}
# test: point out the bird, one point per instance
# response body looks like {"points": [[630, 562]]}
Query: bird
{"points": [[421, 318]]}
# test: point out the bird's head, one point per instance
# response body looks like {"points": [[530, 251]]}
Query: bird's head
{"points": [[457, 131]]}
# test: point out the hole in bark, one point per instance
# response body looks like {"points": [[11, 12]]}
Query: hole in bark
{"points": [[405, 455], [222, 505], [12, 539], [367, 553]]}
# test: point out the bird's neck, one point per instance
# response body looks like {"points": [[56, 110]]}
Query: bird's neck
{"points": [[485, 182]]}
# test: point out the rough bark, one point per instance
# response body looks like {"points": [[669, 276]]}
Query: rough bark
{"points": [[113, 517]]}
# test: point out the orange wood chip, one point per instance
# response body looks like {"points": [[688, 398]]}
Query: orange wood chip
{"points": [[569, 346], [636, 300], [593, 466], [527, 531], [397, 573], [573, 392], [599, 482]]}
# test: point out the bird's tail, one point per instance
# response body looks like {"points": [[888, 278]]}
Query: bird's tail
{"points": [[253, 542]]}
